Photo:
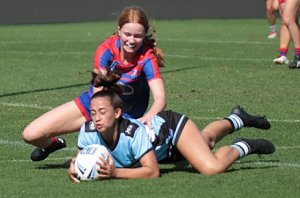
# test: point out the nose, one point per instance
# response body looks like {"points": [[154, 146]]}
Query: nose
{"points": [[131, 39], [97, 117]]}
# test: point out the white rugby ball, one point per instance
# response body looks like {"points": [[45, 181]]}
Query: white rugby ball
{"points": [[85, 163]]}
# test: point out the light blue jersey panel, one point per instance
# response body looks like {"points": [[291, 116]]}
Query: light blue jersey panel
{"points": [[162, 150], [132, 144]]}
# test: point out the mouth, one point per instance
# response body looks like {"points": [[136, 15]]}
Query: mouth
{"points": [[130, 46], [98, 126]]}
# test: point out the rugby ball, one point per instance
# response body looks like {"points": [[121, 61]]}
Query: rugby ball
{"points": [[85, 163]]}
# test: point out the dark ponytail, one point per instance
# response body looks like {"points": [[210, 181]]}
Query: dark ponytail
{"points": [[111, 88]]}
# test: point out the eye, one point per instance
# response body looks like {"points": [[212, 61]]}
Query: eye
{"points": [[138, 36], [127, 34]]}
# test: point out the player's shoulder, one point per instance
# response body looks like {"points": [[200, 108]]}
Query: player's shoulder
{"points": [[146, 53], [130, 126], [88, 126]]}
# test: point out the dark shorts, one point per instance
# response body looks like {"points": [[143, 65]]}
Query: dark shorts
{"points": [[175, 123]]}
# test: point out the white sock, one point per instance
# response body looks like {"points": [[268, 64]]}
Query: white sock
{"points": [[242, 147], [273, 28], [236, 121]]}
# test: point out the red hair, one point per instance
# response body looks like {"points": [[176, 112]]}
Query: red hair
{"points": [[138, 15]]}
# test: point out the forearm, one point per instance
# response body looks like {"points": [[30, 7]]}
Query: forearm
{"points": [[159, 97], [158, 105], [135, 173]]}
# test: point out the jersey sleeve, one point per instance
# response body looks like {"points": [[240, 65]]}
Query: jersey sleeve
{"points": [[151, 68], [141, 143], [87, 135], [103, 55], [81, 140]]}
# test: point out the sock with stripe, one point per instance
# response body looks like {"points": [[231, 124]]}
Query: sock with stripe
{"points": [[242, 147], [297, 51], [273, 28], [235, 121], [283, 51]]}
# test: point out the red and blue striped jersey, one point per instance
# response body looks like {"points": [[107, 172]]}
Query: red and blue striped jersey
{"points": [[135, 76]]}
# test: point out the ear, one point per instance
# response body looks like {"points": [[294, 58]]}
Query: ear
{"points": [[118, 113], [119, 30]]}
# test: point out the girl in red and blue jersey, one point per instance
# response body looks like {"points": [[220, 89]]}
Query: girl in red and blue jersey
{"points": [[135, 76], [134, 53]]}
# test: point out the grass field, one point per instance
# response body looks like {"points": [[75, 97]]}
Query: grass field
{"points": [[212, 65]]}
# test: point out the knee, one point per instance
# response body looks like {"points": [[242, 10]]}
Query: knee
{"points": [[287, 20], [209, 139], [26, 135], [30, 135], [269, 12], [211, 169]]}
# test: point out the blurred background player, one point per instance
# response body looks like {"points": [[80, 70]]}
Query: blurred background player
{"points": [[289, 29], [290, 18], [284, 38], [271, 8]]}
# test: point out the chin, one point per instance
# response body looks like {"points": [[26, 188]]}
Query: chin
{"points": [[130, 50]]}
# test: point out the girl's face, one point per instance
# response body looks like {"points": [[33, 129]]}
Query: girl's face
{"points": [[104, 115], [132, 36]]}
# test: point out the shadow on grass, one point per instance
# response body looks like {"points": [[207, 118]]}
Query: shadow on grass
{"points": [[42, 90], [78, 85], [239, 166], [185, 167], [64, 165]]}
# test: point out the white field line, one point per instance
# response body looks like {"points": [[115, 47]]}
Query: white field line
{"points": [[21, 143], [271, 120], [160, 40], [42, 53], [166, 40], [167, 55], [28, 160], [35, 106], [264, 164], [43, 41], [274, 164], [218, 41], [218, 58], [32, 106]]}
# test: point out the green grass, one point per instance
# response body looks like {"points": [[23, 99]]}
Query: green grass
{"points": [[212, 65]]}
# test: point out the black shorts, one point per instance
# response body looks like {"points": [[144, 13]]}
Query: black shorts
{"points": [[175, 122]]}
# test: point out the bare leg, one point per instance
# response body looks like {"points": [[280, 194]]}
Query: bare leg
{"points": [[270, 12], [290, 14], [61, 120], [194, 148], [271, 7], [215, 131], [238, 118]]}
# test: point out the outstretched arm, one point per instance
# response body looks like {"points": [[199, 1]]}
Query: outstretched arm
{"points": [[159, 100]]}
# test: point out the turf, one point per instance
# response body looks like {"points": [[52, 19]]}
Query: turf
{"points": [[211, 65]]}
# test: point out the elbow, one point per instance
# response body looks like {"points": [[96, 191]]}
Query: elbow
{"points": [[164, 102], [155, 174], [164, 105]]}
